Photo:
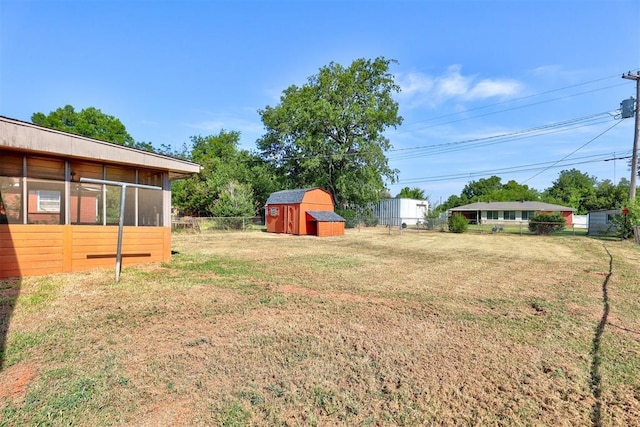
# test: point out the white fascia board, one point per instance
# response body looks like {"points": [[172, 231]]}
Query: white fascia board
{"points": [[27, 137]]}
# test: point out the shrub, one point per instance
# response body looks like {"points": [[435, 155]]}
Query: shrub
{"points": [[370, 220], [458, 223], [624, 223], [546, 224], [350, 217]]}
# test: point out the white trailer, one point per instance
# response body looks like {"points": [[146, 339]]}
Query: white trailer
{"points": [[396, 212]]}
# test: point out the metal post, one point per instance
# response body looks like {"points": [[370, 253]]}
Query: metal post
{"points": [[634, 154], [120, 229]]}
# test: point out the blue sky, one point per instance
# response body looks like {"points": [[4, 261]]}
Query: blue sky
{"points": [[518, 89]]}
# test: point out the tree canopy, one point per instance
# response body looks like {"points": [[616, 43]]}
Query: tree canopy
{"points": [[412, 193], [574, 188], [328, 132], [233, 182], [491, 190], [89, 122]]}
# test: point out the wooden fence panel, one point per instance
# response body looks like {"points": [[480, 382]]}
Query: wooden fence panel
{"points": [[33, 250]]}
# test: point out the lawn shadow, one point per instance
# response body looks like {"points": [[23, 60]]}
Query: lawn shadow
{"points": [[10, 281], [9, 292], [596, 379]]}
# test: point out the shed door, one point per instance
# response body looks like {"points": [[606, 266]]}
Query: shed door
{"points": [[290, 219]]}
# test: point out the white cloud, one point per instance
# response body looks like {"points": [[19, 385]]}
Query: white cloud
{"points": [[415, 83], [422, 89], [561, 74], [453, 83], [489, 88], [545, 70]]}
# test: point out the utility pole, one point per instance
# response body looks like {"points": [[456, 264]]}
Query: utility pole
{"points": [[634, 157]]}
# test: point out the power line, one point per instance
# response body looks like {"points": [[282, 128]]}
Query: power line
{"points": [[511, 170], [563, 126], [577, 149], [428, 150], [515, 100], [503, 111], [518, 99]]}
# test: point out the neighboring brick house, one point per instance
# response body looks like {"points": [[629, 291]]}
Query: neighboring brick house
{"points": [[509, 212]]}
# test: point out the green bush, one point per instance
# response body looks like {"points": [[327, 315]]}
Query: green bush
{"points": [[546, 224], [370, 220], [458, 223], [624, 223], [350, 217]]}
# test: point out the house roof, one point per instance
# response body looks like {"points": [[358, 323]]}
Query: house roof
{"points": [[27, 137], [288, 196], [326, 216], [513, 206]]}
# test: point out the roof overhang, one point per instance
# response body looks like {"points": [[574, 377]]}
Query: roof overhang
{"points": [[26, 137], [325, 216], [513, 206]]}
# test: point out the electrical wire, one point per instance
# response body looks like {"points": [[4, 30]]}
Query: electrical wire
{"points": [[518, 99], [539, 131], [513, 169], [567, 125], [576, 150], [505, 110]]}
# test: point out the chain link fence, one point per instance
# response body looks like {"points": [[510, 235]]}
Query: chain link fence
{"points": [[212, 224], [398, 224], [187, 224], [523, 228]]}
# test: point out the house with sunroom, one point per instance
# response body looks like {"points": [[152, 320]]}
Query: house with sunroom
{"points": [[60, 205], [504, 213]]}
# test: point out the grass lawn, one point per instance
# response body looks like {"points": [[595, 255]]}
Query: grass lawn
{"points": [[371, 328]]}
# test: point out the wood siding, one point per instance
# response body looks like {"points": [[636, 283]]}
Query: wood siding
{"points": [[330, 228], [291, 218], [33, 250]]}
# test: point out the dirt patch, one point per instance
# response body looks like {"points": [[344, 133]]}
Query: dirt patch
{"points": [[14, 381]]}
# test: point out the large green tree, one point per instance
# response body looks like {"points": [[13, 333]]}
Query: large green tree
{"points": [[479, 189], [234, 200], [575, 189], [490, 189], [411, 193], [328, 132], [231, 179], [609, 196], [90, 122]]}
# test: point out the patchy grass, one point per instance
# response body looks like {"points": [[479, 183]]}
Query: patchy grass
{"points": [[367, 329]]}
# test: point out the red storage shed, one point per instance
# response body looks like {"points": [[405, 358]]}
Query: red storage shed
{"points": [[306, 211]]}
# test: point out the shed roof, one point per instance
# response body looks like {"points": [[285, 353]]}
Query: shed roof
{"points": [[288, 196], [513, 206], [326, 216], [27, 137]]}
